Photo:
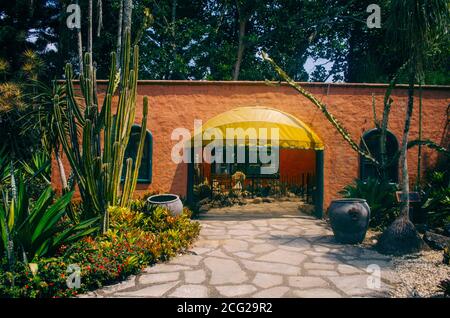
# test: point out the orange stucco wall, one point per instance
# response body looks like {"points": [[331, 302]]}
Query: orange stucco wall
{"points": [[177, 103], [294, 163]]}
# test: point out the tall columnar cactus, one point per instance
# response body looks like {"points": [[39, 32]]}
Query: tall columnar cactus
{"points": [[94, 140]]}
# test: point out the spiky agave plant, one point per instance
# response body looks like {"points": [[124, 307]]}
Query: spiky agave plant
{"points": [[29, 231], [94, 139]]}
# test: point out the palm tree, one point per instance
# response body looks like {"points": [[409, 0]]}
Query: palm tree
{"points": [[42, 119], [414, 25]]}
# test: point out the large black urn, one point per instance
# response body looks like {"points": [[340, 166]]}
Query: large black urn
{"points": [[349, 219]]}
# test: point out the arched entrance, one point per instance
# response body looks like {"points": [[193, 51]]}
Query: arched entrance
{"points": [[250, 129]]}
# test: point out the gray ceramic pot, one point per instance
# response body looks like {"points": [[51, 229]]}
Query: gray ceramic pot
{"points": [[170, 201], [349, 219]]}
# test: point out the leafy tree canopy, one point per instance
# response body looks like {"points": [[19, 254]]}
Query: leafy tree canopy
{"points": [[200, 39]]}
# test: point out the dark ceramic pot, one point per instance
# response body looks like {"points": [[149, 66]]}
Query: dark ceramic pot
{"points": [[171, 202], [349, 219]]}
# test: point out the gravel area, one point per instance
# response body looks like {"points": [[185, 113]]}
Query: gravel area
{"points": [[420, 274]]}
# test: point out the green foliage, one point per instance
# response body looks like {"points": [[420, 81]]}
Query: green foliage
{"points": [[17, 144], [41, 117], [22, 20], [152, 219], [30, 230], [36, 172], [380, 197], [134, 240], [4, 167], [38, 167], [414, 26], [138, 205], [198, 39], [435, 195], [202, 191], [94, 140]]}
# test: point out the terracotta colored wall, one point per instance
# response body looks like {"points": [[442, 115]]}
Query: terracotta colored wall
{"points": [[177, 103], [294, 163]]}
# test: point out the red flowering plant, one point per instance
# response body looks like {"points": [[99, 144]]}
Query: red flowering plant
{"points": [[49, 281]]}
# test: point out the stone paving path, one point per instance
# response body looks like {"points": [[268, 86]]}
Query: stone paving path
{"points": [[263, 250]]}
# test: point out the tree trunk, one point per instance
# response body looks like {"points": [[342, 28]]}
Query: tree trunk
{"points": [[174, 44], [241, 47], [350, 71], [62, 172], [13, 181], [403, 153], [126, 25], [119, 35], [89, 46], [80, 49], [383, 155], [128, 9], [383, 134], [387, 103], [419, 150], [100, 17], [401, 237]]}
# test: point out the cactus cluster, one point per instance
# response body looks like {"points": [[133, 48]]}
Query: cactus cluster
{"points": [[94, 139]]}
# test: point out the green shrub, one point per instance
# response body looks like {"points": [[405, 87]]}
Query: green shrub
{"points": [[436, 198], [138, 205], [202, 191], [380, 197]]}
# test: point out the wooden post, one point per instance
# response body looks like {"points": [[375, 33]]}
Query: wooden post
{"points": [[190, 177], [319, 184]]}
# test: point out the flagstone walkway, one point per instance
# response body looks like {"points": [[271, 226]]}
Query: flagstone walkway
{"points": [[263, 250]]}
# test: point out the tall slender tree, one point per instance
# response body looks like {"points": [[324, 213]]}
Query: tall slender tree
{"points": [[119, 33], [89, 45], [414, 25], [243, 14]]}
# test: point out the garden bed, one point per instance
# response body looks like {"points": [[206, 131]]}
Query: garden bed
{"points": [[134, 241]]}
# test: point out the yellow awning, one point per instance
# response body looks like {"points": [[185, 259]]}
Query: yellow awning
{"points": [[293, 133]]}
